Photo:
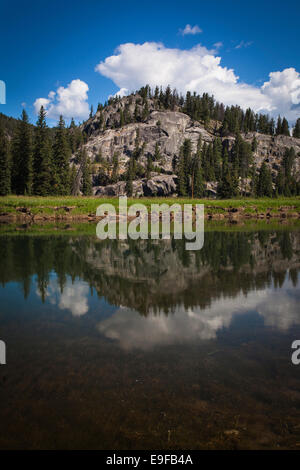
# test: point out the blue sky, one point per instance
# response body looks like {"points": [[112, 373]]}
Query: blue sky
{"points": [[48, 44]]}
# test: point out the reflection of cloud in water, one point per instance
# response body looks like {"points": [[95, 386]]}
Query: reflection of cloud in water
{"points": [[279, 308], [74, 296]]}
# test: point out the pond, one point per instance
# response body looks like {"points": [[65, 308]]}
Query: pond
{"points": [[144, 345]]}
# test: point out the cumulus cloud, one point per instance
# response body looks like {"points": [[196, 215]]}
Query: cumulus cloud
{"points": [[188, 29], [199, 69], [283, 89], [70, 101]]}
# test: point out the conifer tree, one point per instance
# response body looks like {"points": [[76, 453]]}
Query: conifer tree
{"points": [[181, 184], [279, 126], [264, 183], [217, 158], [86, 186], [5, 165], [288, 162], [73, 181], [42, 158], [228, 186], [130, 174], [197, 173], [157, 155], [122, 119], [254, 144], [187, 161], [253, 181], [149, 167], [280, 182], [61, 157], [296, 130], [285, 127], [22, 156], [145, 113]]}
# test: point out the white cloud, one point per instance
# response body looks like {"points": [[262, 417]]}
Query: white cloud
{"points": [[190, 30], [243, 44], [199, 69], [218, 45], [70, 101], [39, 102], [122, 92], [283, 89]]}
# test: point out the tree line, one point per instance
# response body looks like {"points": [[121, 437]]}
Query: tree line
{"points": [[233, 169], [36, 160], [204, 108]]}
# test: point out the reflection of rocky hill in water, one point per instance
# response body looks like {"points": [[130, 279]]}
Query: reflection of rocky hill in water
{"points": [[155, 275], [159, 275]]}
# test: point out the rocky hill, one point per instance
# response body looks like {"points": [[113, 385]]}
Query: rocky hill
{"points": [[163, 131]]}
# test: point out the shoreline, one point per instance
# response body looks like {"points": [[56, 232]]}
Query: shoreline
{"points": [[32, 209]]}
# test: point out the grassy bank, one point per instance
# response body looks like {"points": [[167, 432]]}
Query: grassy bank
{"points": [[89, 228], [72, 207]]}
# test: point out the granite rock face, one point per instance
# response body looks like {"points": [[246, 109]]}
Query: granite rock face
{"points": [[168, 129], [159, 185]]}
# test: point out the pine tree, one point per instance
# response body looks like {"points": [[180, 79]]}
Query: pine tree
{"points": [[285, 127], [145, 113], [217, 157], [197, 173], [181, 184], [42, 159], [157, 155], [296, 130], [5, 165], [122, 119], [186, 153], [73, 181], [86, 185], [138, 150], [279, 126], [208, 163], [254, 144], [280, 182], [149, 166], [228, 186], [130, 174], [74, 136], [22, 156], [253, 181], [264, 184], [61, 157]]}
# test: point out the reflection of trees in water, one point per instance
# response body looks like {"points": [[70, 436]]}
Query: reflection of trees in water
{"points": [[156, 275]]}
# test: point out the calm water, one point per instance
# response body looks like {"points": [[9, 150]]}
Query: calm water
{"points": [[143, 345]]}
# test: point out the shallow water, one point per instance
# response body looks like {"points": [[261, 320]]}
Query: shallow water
{"points": [[143, 345]]}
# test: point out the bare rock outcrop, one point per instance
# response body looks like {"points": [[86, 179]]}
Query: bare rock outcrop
{"points": [[165, 130], [159, 185]]}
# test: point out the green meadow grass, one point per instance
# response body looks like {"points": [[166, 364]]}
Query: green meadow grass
{"points": [[88, 205]]}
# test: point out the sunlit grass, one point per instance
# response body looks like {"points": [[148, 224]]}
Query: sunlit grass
{"points": [[88, 205]]}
